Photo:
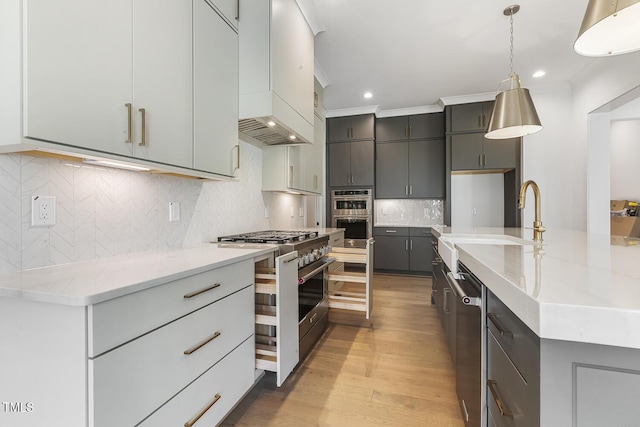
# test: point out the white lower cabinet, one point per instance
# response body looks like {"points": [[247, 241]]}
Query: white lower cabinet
{"points": [[151, 369], [208, 399]]}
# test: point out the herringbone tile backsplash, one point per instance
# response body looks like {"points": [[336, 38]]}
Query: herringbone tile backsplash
{"points": [[102, 212]]}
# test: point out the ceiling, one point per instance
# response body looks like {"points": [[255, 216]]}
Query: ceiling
{"points": [[412, 53]]}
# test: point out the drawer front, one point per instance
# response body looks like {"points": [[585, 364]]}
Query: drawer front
{"points": [[519, 400], [420, 231], [119, 320], [391, 231], [518, 341], [154, 367], [337, 240], [230, 379]]}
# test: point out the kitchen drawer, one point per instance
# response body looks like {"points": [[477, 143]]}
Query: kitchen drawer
{"points": [[391, 231], [420, 231], [122, 319], [150, 369], [230, 379], [337, 240], [520, 401], [518, 341]]}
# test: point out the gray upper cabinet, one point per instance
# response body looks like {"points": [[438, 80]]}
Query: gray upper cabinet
{"points": [[472, 151], [351, 164], [413, 169], [471, 117], [351, 128], [419, 126]]}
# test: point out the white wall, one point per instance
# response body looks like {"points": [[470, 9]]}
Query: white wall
{"points": [[103, 212], [625, 160], [571, 169], [477, 200]]}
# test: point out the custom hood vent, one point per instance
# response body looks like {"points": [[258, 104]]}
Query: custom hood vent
{"points": [[276, 66], [267, 132]]}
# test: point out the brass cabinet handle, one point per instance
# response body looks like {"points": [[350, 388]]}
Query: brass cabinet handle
{"points": [[238, 158], [411, 190], [409, 132], [406, 245], [503, 411], [494, 319], [445, 301], [479, 121], [143, 124], [315, 182], [201, 291], [315, 99], [479, 159], [291, 176], [195, 419], [129, 122], [390, 231], [237, 10], [201, 344]]}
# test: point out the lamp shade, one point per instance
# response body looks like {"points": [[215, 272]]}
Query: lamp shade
{"points": [[609, 27], [513, 115]]}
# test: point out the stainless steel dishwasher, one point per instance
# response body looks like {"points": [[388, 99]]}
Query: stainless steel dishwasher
{"points": [[470, 345]]}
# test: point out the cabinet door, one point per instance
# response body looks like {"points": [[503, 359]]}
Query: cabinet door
{"points": [[391, 253], [286, 315], [339, 163], [313, 155], [466, 117], [362, 163], [427, 169], [420, 254], [78, 75], [466, 151], [392, 129], [363, 127], [215, 92], [294, 168], [499, 153], [162, 70], [339, 128], [391, 170], [229, 9], [427, 126]]}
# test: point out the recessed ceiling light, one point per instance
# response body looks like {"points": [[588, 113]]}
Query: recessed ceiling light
{"points": [[368, 95], [539, 73], [292, 137], [271, 123]]}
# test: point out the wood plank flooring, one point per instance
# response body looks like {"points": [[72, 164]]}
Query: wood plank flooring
{"points": [[393, 370]]}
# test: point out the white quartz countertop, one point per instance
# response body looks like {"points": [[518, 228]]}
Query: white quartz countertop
{"points": [[90, 282], [575, 287]]}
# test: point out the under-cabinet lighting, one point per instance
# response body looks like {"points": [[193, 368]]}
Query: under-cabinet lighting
{"points": [[271, 123], [113, 164], [292, 137]]}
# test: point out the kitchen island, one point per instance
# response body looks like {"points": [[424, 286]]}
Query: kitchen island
{"points": [[580, 296], [140, 339]]}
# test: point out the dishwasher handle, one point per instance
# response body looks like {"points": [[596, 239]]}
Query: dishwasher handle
{"points": [[466, 299]]}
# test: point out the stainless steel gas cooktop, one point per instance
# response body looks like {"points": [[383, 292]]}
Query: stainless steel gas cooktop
{"points": [[270, 236]]}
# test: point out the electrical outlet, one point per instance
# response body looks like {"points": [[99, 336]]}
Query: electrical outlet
{"points": [[43, 210], [174, 211], [474, 211]]}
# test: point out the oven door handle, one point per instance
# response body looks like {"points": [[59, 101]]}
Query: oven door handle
{"points": [[324, 266], [466, 299]]}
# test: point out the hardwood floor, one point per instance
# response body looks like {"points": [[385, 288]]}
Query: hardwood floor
{"points": [[393, 370]]}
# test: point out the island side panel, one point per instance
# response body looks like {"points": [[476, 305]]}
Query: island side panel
{"points": [[588, 384], [43, 364]]}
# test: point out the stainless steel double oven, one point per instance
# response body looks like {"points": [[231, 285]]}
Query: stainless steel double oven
{"points": [[352, 210]]}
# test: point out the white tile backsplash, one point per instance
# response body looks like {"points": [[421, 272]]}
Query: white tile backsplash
{"points": [[103, 212], [408, 212]]}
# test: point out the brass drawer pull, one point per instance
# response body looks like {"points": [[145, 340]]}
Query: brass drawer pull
{"points": [[201, 344], [129, 122], [494, 319], [201, 291], [195, 419], [492, 388], [143, 125]]}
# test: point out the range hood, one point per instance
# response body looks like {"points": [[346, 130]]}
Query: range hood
{"points": [[276, 74]]}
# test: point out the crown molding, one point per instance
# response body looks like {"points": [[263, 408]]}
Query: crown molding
{"points": [[369, 109], [410, 111], [308, 8], [467, 99]]}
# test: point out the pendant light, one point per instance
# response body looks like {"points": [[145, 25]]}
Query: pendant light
{"points": [[609, 27], [514, 114]]}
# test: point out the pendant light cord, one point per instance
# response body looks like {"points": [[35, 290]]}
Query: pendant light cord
{"points": [[512, 73]]}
